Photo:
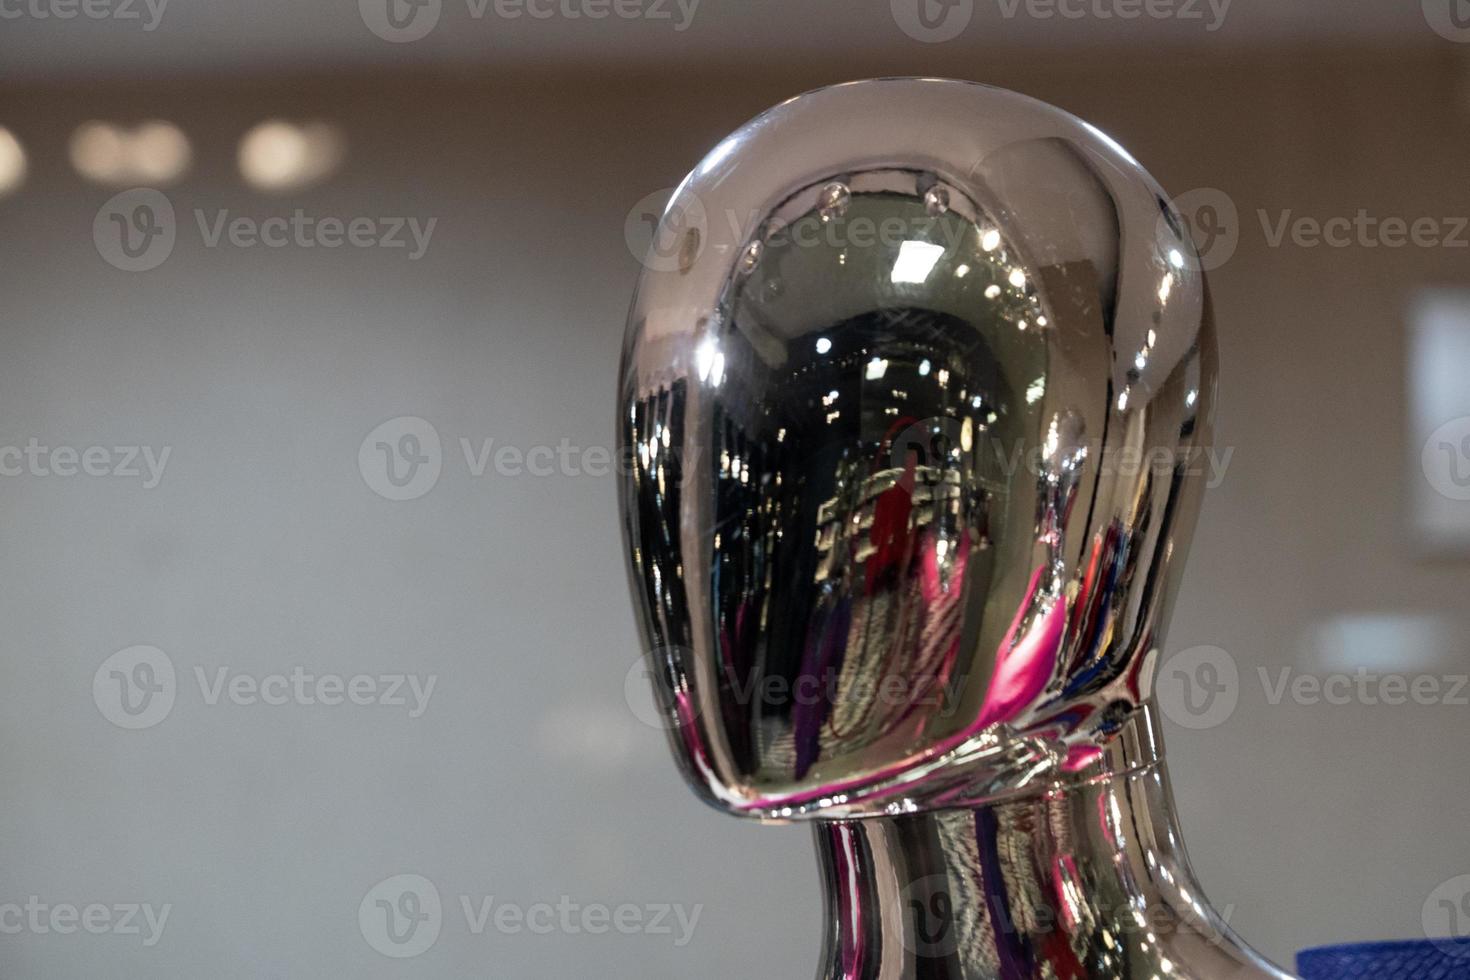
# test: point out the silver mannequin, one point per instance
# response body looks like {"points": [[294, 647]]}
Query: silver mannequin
{"points": [[914, 388]]}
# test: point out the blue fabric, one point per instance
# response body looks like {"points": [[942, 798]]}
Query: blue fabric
{"points": [[1419, 959]]}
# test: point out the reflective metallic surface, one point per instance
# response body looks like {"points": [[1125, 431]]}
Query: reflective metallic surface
{"points": [[916, 386], [1076, 881]]}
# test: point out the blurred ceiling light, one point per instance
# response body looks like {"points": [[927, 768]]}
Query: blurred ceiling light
{"points": [[283, 156], [154, 153], [12, 162], [1388, 640]]}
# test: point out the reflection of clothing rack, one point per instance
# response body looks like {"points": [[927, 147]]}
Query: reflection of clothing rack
{"points": [[906, 540]]}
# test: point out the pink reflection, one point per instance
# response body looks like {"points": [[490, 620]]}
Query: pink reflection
{"points": [[1026, 665]]}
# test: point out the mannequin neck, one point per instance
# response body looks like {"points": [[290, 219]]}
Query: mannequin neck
{"points": [[1077, 880]]}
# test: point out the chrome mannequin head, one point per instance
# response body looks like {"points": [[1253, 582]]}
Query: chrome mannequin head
{"points": [[914, 388]]}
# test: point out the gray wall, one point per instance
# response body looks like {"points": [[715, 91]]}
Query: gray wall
{"points": [[528, 777]]}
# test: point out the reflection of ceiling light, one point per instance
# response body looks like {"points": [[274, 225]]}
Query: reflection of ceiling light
{"points": [[877, 367], [915, 261], [154, 153], [704, 358], [823, 345], [1035, 390], [1117, 147], [283, 156], [1018, 277], [1176, 258], [924, 368], [992, 291], [962, 272], [990, 239], [12, 162]]}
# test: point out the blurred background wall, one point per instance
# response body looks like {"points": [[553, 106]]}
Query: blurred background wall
{"points": [[267, 542]]}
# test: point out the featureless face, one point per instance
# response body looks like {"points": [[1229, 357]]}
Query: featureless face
{"points": [[881, 542]]}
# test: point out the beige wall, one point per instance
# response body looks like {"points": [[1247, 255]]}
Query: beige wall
{"points": [[262, 548]]}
